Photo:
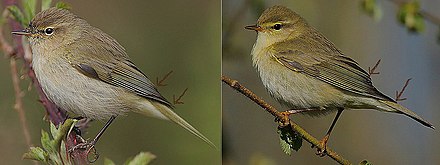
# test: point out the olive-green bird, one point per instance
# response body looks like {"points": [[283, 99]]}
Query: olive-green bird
{"points": [[305, 71]]}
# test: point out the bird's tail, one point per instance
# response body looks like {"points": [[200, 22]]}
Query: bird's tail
{"points": [[169, 114], [407, 112]]}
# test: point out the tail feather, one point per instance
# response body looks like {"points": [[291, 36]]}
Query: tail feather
{"points": [[167, 112], [407, 112]]}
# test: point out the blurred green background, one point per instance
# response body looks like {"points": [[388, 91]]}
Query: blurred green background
{"points": [[249, 133], [159, 36]]}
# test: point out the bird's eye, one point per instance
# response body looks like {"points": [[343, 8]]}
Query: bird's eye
{"points": [[48, 31], [277, 26]]}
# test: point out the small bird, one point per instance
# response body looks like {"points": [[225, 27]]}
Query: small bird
{"points": [[86, 72], [305, 71]]}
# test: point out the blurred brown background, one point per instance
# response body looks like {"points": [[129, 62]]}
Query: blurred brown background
{"points": [[159, 36], [249, 133]]}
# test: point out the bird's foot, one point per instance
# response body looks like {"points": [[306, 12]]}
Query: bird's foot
{"points": [[87, 147], [322, 148], [283, 120], [77, 130], [82, 146]]}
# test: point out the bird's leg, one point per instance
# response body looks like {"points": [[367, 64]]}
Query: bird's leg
{"points": [[89, 146], [77, 130], [81, 125], [287, 113], [323, 142]]}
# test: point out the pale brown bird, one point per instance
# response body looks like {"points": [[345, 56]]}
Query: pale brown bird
{"points": [[85, 71]]}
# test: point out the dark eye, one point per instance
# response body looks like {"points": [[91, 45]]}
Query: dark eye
{"points": [[48, 31], [277, 26]]}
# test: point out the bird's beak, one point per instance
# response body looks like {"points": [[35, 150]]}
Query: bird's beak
{"points": [[254, 27], [25, 32]]}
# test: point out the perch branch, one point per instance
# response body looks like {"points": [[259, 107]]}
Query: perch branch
{"points": [[18, 106], [309, 138], [19, 102], [23, 52]]}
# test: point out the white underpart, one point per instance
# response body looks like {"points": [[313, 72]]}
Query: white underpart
{"points": [[297, 89]]}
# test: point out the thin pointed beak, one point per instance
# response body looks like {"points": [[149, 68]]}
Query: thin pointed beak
{"points": [[25, 32], [254, 27]]}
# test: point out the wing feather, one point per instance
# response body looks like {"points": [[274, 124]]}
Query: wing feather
{"points": [[117, 70], [326, 63]]}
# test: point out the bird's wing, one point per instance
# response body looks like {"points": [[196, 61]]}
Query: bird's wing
{"points": [[324, 62], [117, 70]]}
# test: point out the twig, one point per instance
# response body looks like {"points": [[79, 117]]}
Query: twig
{"points": [[56, 115], [6, 47], [373, 70], [10, 52], [160, 83], [399, 94], [19, 102], [18, 106], [309, 138], [177, 101]]}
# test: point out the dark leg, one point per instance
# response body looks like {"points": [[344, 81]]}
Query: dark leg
{"points": [[287, 113], [324, 140], [103, 130], [295, 111], [81, 125], [91, 145]]}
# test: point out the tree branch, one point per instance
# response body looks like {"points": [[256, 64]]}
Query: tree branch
{"points": [[19, 103], [24, 53], [18, 106], [295, 127]]}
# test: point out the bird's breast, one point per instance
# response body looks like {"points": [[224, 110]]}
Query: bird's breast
{"points": [[292, 88], [72, 91]]}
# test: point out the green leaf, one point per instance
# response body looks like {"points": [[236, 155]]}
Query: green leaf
{"points": [[289, 139], [17, 14], [63, 130], [45, 4], [365, 162], [53, 130], [29, 7], [372, 8], [142, 158], [46, 142], [108, 162], [36, 153], [55, 147], [63, 5], [285, 147], [63, 152], [419, 24], [409, 15]]}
